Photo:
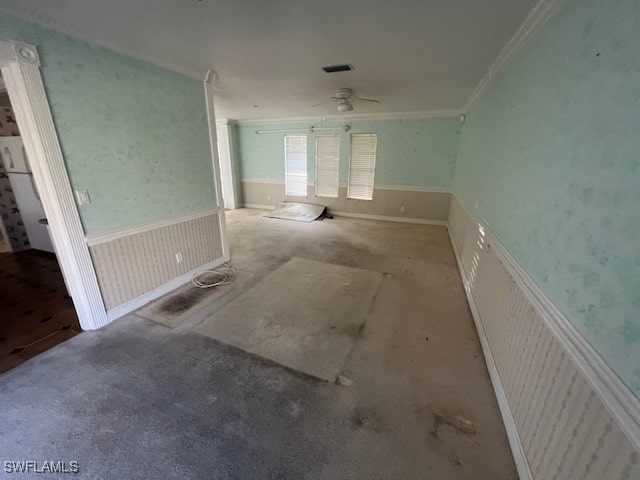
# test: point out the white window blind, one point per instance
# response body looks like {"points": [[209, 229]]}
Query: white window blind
{"points": [[327, 165], [362, 166], [295, 156]]}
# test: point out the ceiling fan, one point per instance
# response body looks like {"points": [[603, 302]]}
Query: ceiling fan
{"points": [[344, 96]]}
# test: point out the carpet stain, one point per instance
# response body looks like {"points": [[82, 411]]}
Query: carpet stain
{"points": [[181, 302], [458, 422]]}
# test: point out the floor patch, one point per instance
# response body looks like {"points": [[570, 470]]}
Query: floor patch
{"points": [[301, 212], [305, 315]]}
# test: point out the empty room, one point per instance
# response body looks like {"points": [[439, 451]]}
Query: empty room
{"points": [[320, 240]]}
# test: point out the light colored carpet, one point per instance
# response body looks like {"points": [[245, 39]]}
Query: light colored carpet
{"points": [[301, 212], [305, 315]]}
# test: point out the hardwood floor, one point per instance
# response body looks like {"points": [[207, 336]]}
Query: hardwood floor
{"points": [[36, 313]]}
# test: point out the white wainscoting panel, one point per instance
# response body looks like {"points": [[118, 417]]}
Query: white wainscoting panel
{"points": [[131, 266], [560, 426]]}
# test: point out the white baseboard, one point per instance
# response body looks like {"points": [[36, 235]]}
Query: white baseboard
{"points": [[619, 400], [142, 300], [441, 223], [519, 457]]}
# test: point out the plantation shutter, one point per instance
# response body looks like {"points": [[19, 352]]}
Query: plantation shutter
{"points": [[362, 166], [327, 165], [295, 153]]}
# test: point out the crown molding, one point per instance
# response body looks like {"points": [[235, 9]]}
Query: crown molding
{"points": [[226, 121], [353, 116], [538, 16], [43, 20]]}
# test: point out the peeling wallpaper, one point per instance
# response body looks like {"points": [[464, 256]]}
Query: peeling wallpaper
{"points": [[133, 134], [551, 157], [417, 152]]}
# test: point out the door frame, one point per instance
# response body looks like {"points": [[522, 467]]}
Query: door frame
{"points": [[20, 66]]}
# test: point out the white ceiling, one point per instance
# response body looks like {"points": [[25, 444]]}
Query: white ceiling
{"points": [[413, 55]]}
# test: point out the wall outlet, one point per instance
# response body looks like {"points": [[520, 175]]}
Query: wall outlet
{"points": [[179, 257], [269, 198], [402, 209]]}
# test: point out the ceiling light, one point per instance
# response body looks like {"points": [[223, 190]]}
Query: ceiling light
{"points": [[345, 106]]}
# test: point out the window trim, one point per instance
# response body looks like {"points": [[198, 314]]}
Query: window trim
{"points": [[337, 195], [286, 165], [375, 161]]}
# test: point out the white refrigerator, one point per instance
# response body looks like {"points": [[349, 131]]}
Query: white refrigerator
{"points": [[24, 188]]}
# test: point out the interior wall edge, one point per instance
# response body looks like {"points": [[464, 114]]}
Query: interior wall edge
{"points": [[127, 274], [45, 21], [541, 13], [474, 244], [515, 443]]}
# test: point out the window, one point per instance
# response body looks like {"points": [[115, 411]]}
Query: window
{"points": [[295, 157], [327, 165], [362, 166]]}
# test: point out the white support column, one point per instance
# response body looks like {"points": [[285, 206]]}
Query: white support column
{"points": [[213, 141], [20, 65], [227, 166]]}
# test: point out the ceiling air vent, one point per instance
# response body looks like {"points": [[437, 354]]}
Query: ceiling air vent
{"points": [[337, 68]]}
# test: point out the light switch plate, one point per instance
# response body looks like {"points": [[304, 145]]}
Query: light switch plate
{"points": [[83, 197]]}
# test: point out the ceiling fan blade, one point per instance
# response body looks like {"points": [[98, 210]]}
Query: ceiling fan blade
{"points": [[337, 98], [366, 100], [319, 104]]}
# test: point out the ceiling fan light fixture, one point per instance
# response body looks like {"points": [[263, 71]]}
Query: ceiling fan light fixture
{"points": [[345, 106]]}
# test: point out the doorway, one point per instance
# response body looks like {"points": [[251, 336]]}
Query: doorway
{"points": [[20, 69], [36, 311]]}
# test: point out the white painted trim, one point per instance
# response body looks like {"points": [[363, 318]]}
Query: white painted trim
{"points": [[259, 207], [353, 116], [619, 400], [540, 14], [227, 168], [519, 457], [213, 145], [385, 218], [233, 162], [150, 296], [111, 234], [20, 66]]}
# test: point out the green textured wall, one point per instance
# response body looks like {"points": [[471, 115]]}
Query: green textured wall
{"points": [[133, 134], [552, 155], [418, 152]]}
